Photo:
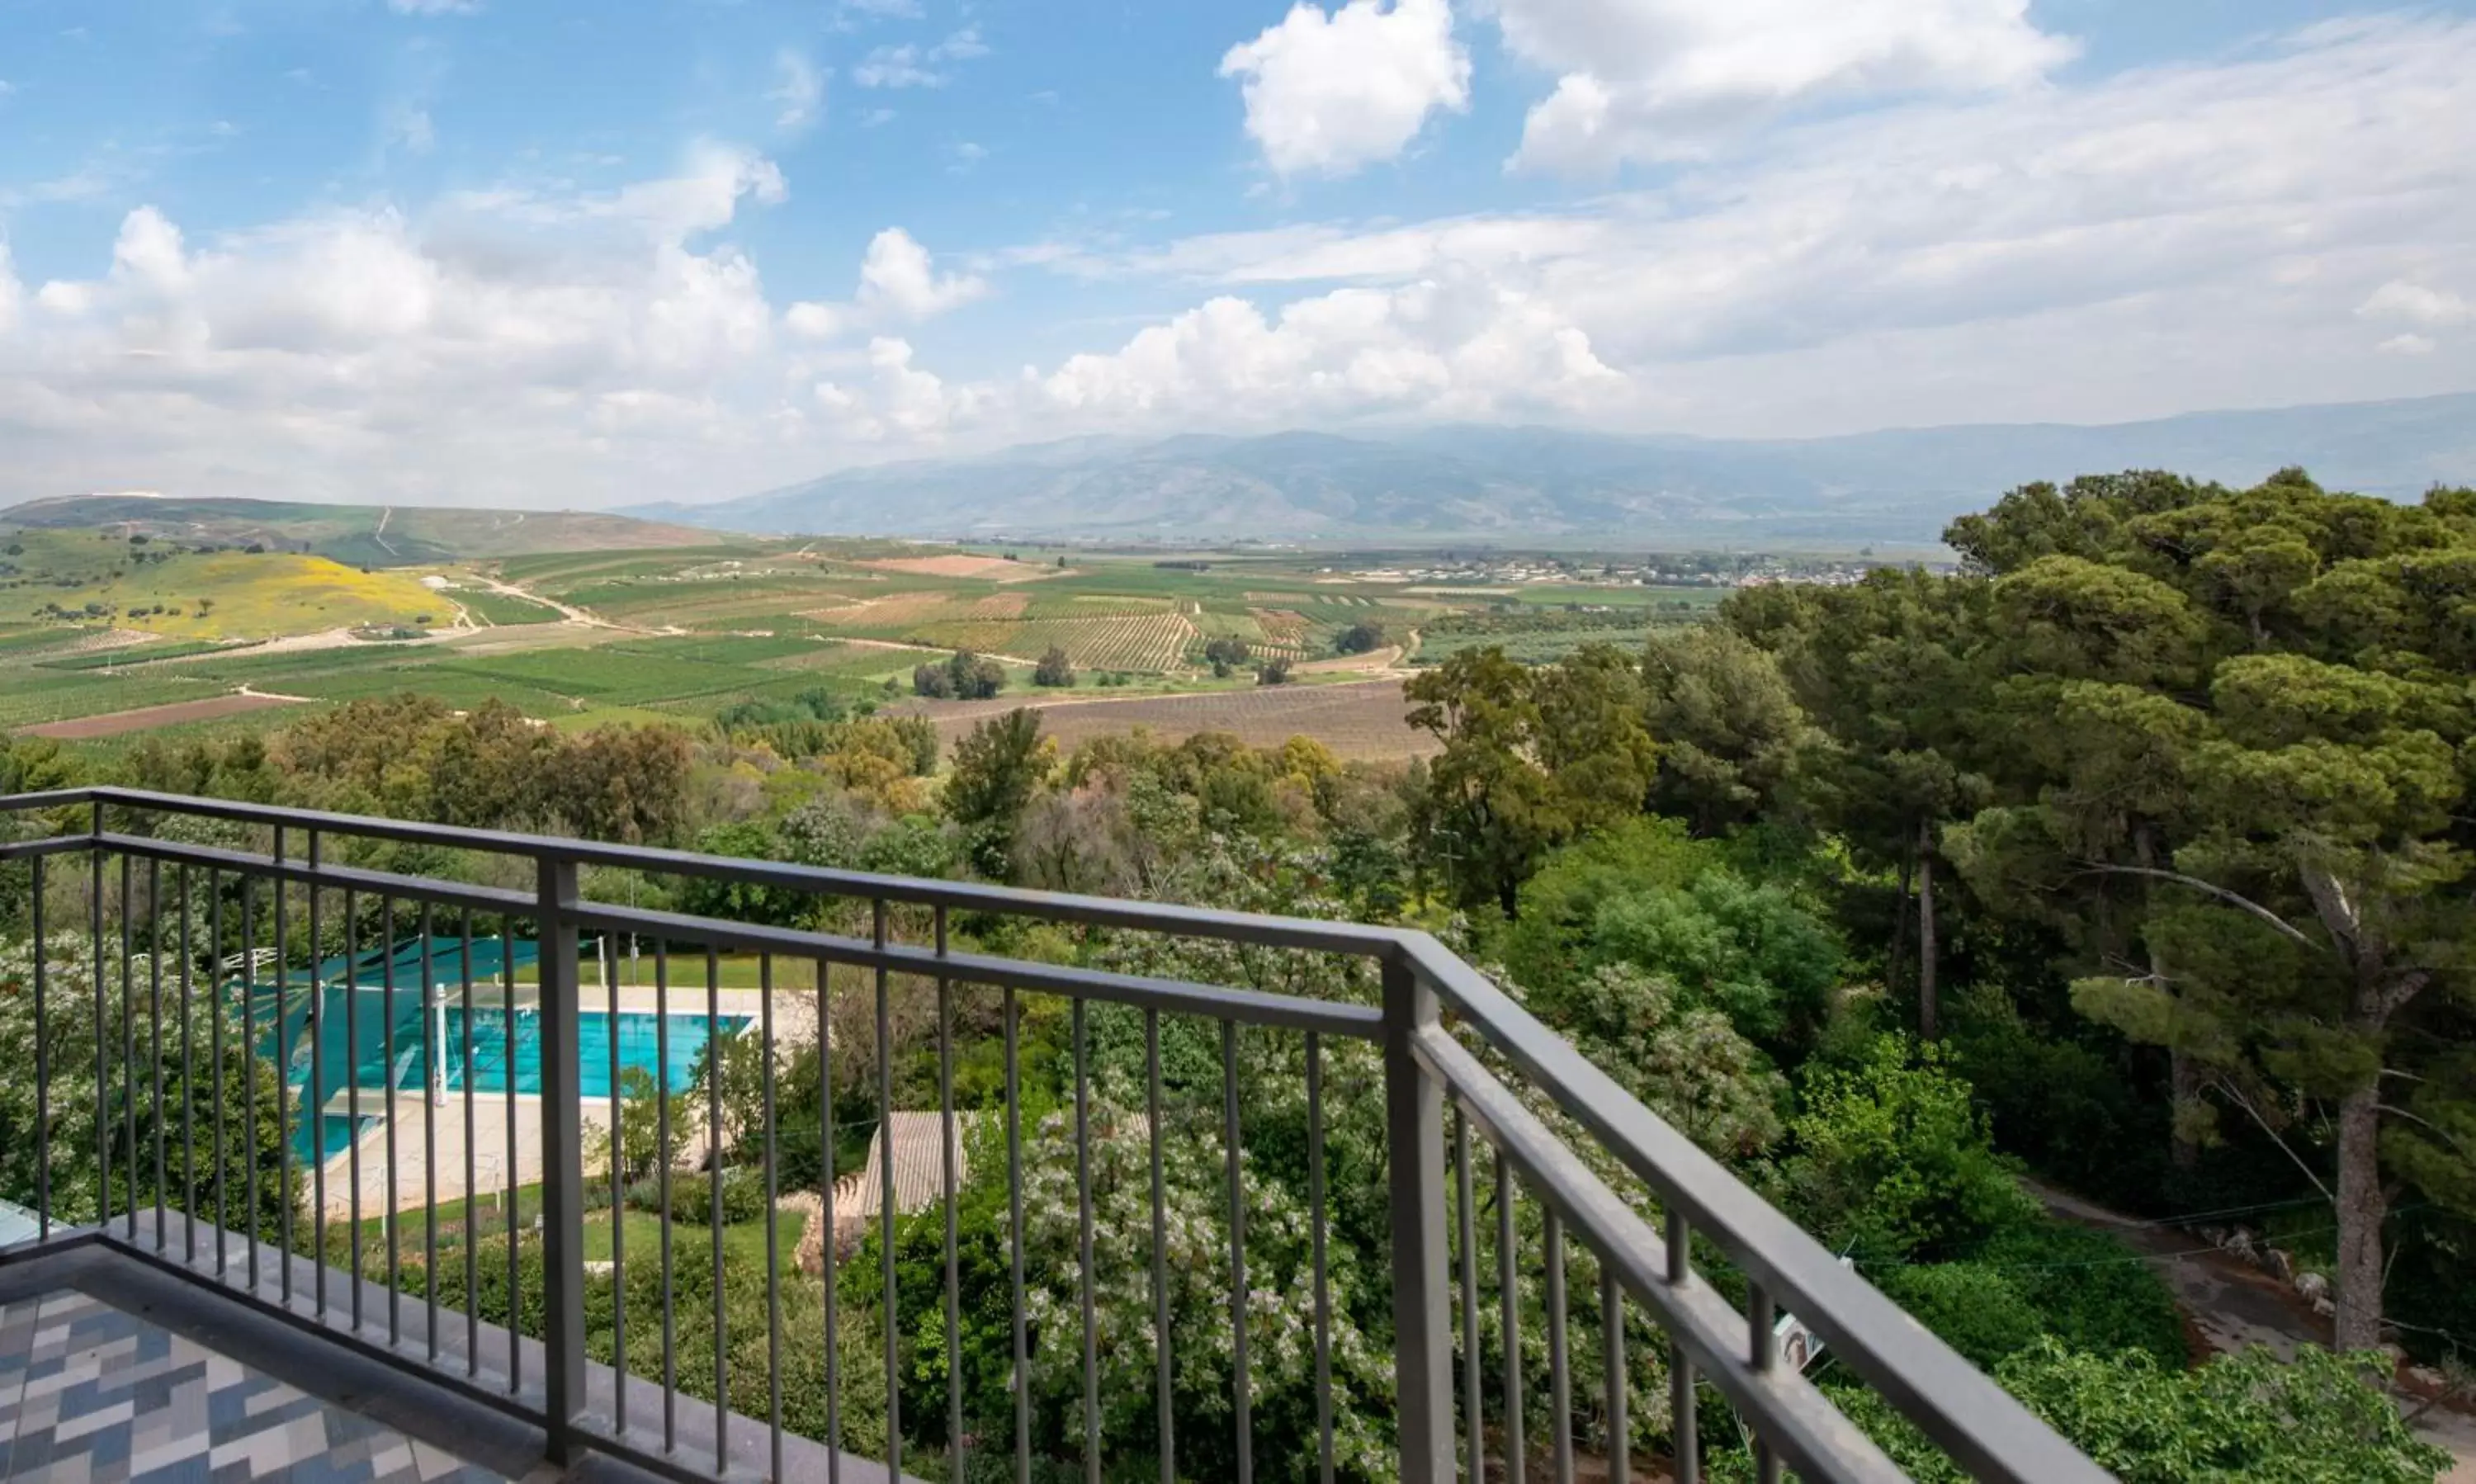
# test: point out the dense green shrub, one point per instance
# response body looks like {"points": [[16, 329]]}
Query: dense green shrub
{"points": [[1892, 1159], [751, 1358], [2254, 1416], [2088, 1290], [2039, 1278], [743, 1196], [1975, 1307]]}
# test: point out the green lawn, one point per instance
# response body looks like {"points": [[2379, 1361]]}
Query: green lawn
{"points": [[742, 1243]]}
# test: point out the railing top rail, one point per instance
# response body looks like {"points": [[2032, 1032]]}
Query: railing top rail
{"points": [[1260, 929], [1959, 1406]]}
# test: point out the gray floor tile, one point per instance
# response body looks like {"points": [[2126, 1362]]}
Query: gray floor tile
{"points": [[90, 1395]]}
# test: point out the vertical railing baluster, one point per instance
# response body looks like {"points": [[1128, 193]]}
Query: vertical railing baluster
{"points": [[515, 1213], [155, 1015], [314, 1116], [249, 1068], [950, 1153], [1474, 1399], [832, 1259], [773, 1236], [101, 1038], [352, 1096], [1560, 1378], [1162, 1377], [618, 1205], [433, 1086], [1242, 1398], [713, 1186], [189, 1081], [1423, 1330], [1762, 1353], [472, 1164], [128, 1037], [886, 1174], [1014, 1244], [1083, 1245], [1316, 1227], [562, 1132], [663, 1163], [391, 1224], [1612, 1339], [281, 1056], [1683, 1425], [43, 1071], [1508, 1288], [216, 1032]]}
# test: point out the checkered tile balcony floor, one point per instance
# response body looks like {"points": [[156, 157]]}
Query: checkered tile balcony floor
{"points": [[89, 1393]]}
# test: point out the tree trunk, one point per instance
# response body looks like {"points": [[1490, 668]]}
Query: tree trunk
{"points": [[1900, 925], [2184, 1081], [2183, 1077], [1929, 1014], [2361, 1207]]}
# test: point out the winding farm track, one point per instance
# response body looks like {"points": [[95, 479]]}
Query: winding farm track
{"points": [[567, 612]]}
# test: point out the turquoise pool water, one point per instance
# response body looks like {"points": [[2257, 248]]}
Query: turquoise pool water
{"points": [[334, 1136], [497, 1055], [639, 1036]]}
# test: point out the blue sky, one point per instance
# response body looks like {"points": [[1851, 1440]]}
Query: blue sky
{"points": [[583, 252]]}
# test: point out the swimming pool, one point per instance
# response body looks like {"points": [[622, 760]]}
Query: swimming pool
{"points": [[639, 1036], [362, 1027], [334, 1136]]}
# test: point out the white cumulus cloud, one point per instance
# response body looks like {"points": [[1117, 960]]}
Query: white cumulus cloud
{"points": [[897, 281], [1329, 95], [2416, 304], [2161, 233], [1650, 80], [897, 400], [1460, 349], [492, 349]]}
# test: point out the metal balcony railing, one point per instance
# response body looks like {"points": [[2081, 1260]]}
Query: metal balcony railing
{"points": [[192, 959]]}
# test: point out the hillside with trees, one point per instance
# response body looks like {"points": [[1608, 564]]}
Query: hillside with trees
{"points": [[2134, 856]]}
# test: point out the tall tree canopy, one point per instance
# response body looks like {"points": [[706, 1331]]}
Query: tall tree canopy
{"points": [[2240, 742]]}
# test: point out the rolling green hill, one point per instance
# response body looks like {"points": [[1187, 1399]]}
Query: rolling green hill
{"points": [[359, 536], [161, 586]]}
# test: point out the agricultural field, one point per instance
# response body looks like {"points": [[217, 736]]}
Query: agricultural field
{"points": [[680, 633], [487, 609], [1361, 720], [114, 724]]}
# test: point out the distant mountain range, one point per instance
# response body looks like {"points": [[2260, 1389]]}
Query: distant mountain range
{"points": [[1521, 484], [364, 535]]}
